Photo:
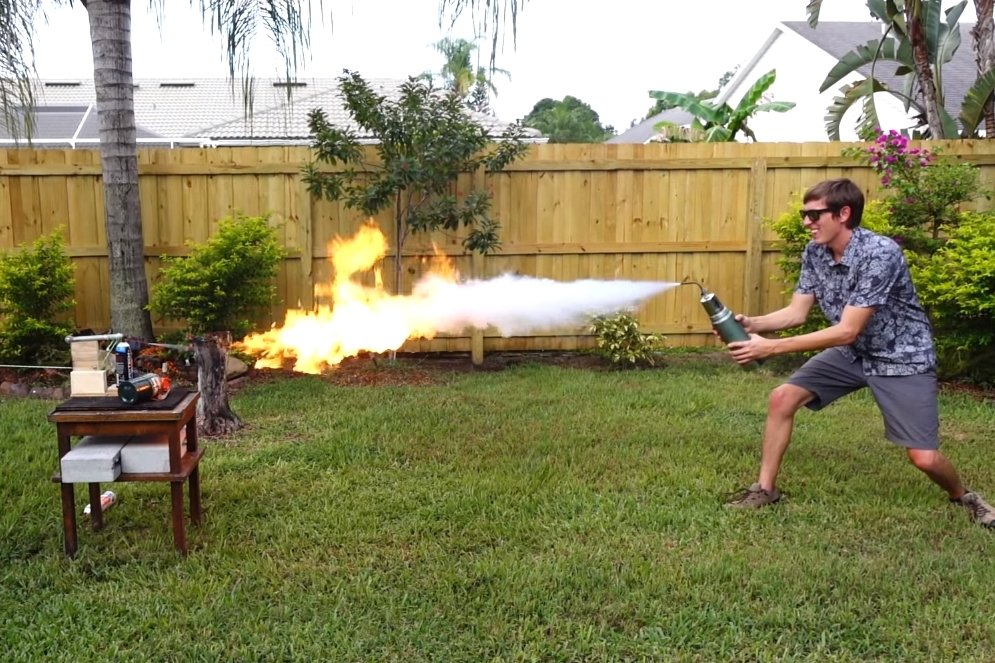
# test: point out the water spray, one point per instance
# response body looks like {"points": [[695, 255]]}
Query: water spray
{"points": [[723, 319]]}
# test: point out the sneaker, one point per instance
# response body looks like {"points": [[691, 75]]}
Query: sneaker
{"points": [[980, 511], [753, 497]]}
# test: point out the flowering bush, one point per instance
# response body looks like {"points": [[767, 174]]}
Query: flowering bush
{"points": [[924, 191]]}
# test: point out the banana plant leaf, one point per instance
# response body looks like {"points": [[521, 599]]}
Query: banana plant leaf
{"points": [[942, 38], [775, 106], [812, 10], [707, 112], [948, 124], [718, 134], [862, 91], [972, 111], [756, 91], [873, 51]]}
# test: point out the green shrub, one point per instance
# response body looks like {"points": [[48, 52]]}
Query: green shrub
{"points": [[224, 281], [36, 288], [957, 286], [794, 237], [620, 341]]}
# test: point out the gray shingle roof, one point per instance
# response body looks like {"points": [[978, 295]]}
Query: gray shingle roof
{"points": [[642, 132], [210, 110]]}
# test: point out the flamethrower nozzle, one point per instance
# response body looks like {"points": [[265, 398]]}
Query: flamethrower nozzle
{"points": [[700, 287]]}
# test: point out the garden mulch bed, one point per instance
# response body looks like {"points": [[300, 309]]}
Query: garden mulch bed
{"points": [[422, 368], [405, 369], [376, 371]]}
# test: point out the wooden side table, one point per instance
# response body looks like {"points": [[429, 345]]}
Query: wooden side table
{"points": [[125, 422]]}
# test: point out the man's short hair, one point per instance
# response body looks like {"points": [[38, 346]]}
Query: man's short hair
{"points": [[839, 193]]}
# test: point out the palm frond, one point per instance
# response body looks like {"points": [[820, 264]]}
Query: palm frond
{"points": [[17, 50]]}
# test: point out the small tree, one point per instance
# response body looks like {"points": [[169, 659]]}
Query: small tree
{"points": [[568, 121], [215, 289], [424, 140]]}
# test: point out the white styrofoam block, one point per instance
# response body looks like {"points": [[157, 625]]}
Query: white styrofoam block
{"points": [[94, 459], [148, 453], [87, 382]]}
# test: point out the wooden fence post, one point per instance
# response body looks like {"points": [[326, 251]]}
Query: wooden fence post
{"points": [[477, 335], [753, 265], [477, 269], [305, 219]]}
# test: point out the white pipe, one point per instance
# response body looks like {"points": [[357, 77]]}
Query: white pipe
{"points": [[95, 337], [79, 128]]}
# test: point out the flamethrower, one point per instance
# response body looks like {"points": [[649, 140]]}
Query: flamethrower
{"points": [[722, 318]]}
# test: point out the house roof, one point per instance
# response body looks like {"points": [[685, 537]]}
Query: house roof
{"points": [[837, 38], [208, 111], [644, 131], [840, 37]]}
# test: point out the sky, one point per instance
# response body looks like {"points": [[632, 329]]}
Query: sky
{"points": [[608, 54]]}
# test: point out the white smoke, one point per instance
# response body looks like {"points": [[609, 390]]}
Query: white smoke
{"points": [[517, 305]]}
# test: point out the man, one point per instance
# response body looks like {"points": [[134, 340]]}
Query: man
{"points": [[879, 338]]}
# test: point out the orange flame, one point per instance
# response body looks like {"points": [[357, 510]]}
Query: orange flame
{"points": [[361, 318]]}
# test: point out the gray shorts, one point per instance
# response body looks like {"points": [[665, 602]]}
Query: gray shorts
{"points": [[907, 402]]}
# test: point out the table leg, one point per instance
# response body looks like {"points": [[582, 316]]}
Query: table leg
{"points": [[195, 508], [96, 513], [179, 527], [69, 518]]}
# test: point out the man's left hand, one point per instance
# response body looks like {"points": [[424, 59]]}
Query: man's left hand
{"points": [[758, 347]]}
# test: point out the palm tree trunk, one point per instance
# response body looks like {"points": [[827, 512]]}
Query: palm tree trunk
{"points": [[920, 58], [214, 414], [110, 37], [984, 54]]}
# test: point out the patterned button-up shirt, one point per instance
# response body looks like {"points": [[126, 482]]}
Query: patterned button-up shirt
{"points": [[898, 339]]}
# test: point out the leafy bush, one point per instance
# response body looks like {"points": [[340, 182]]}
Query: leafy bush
{"points": [[621, 342], [36, 288], [223, 281], [957, 286]]}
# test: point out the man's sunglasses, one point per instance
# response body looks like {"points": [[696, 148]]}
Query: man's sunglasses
{"points": [[814, 215]]}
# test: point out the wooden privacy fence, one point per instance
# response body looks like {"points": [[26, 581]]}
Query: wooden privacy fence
{"points": [[642, 212]]}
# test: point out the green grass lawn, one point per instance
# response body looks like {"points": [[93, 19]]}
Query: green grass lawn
{"points": [[533, 514]]}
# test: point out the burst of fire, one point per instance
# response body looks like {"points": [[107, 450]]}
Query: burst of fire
{"points": [[360, 318]]}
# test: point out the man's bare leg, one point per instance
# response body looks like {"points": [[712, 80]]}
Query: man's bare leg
{"points": [[939, 470], [784, 402]]}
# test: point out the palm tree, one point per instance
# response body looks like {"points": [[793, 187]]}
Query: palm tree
{"points": [[490, 16], [459, 74], [287, 21]]}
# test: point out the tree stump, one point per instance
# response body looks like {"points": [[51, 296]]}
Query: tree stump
{"points": [[214, 415]]}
